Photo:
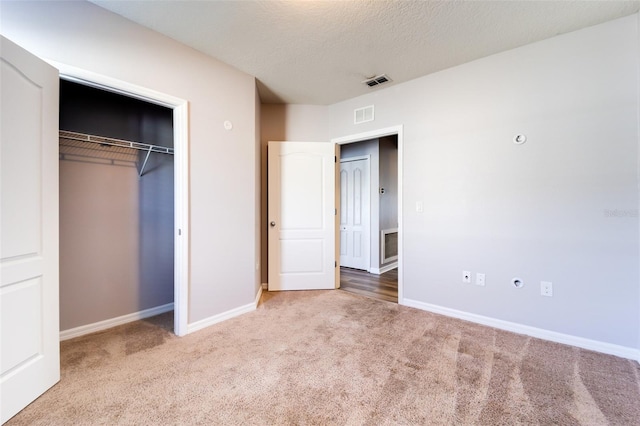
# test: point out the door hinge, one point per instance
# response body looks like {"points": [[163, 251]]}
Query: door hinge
{"points": [[335, 263], [335, 212], [335, 159]]}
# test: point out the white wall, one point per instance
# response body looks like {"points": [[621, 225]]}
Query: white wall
{"points": [[540, 211], [223, 163]]}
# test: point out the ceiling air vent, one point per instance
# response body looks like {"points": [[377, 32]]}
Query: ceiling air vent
{"points": [[362, 115], [377, 80]]}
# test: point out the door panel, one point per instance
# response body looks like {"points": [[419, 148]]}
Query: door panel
{"points": [[301, 215], [355, 214], [30, 359]]}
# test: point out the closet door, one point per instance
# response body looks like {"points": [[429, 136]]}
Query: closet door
{"points": [[29, 331]]}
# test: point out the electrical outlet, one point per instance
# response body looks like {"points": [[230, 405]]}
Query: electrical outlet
{"points": [[480, 279], [546, 288], [466, 277], [419, 206]]}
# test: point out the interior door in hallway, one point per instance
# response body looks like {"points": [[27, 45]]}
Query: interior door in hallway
{"points": [[355, 213], [29, 336], [301, 215]]}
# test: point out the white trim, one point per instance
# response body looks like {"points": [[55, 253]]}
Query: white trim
{"points": [[265, 286], [388, 131], [204, 323], [181, 173], [638, 133], [567, 339], [103, 82], [372, 134], [181, 207], [384, 268], [124, 319], [258, 296]]}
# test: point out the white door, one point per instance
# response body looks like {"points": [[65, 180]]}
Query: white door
{"points": [[301, 215], [30, 357], [355, 213]]}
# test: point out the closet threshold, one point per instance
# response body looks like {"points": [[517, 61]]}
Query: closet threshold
{"points": [[102, 140]]}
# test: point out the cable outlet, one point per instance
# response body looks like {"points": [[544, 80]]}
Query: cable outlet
{"points": [[546, 288], [480, 279], [466, 277]]}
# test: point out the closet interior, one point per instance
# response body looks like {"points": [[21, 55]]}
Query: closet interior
{"points": [[116, 206]]}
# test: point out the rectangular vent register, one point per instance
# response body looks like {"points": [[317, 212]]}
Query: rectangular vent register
{"points": [[362, 115]]}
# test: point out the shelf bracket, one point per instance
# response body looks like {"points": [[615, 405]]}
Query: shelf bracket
{"points": [[145, 162]]}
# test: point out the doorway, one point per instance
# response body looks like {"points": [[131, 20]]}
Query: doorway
{"points": [[355, 212], [383, 279], [180, 226], [116, 207]]}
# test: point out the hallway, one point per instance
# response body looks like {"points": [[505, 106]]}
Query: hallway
{"points": [[382, 287]]}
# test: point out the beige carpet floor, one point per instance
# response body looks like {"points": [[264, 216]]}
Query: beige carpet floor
{"points": [[333, 358]]}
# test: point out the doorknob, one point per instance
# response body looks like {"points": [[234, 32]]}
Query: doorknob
{"points": [[272, 224]]}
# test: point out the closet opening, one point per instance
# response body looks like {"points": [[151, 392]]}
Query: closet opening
{"points": [[117, 207]]}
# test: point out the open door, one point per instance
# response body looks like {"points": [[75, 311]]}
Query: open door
{"points": [[301, 214], [29, 334]]}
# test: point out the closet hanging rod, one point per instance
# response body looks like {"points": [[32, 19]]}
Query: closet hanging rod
{"points": [[101, 140]]}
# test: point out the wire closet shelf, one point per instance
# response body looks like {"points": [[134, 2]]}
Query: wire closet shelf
{"points": [[102, 140]]}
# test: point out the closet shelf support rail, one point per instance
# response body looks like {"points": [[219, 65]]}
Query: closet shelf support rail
{"points": [[101, 140], [145, 163]]}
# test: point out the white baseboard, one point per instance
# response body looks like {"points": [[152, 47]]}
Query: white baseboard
{"points": [[103, 325], [206, 322], [258, 296], [386, 268], [265, 286], [567, 339]]}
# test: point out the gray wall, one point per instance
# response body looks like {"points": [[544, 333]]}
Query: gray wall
{"points": [[561, 208], [388, 166], [223, 241], [116, 239]]}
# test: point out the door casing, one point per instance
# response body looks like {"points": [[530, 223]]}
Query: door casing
{"points": [[180, 109]]}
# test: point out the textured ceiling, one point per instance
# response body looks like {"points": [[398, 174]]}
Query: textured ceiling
{"points": [[318, 52]]}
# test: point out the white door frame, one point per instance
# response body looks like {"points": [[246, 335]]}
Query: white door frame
{"points": [[374, 134], [180, 109], [360, 158]]}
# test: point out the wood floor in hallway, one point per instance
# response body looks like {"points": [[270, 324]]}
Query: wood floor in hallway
{"points": [[383, 287]]}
